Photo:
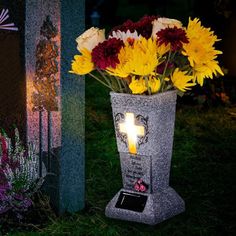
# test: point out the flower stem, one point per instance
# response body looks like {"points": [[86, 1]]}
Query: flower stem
{"points": [[164, 72], [105, 78], [146, 84], [119, 84], [125, 85], [101, 81]]}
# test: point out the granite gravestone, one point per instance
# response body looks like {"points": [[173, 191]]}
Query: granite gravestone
{"points": [[55, 98], [144, 128]]}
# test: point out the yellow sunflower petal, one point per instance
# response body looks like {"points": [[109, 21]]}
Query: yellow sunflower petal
{"points": [[137, 86], [162, 49], [154, 84], [82, 64], [143, 56], [201, 52], [206, 70], [181, 81]]}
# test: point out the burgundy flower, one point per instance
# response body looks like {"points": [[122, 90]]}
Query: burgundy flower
{"points": [[161, 67], [175, 36], [144, 26], [105, 54], [127, 25]]}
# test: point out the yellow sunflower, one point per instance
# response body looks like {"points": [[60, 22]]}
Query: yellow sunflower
{"points": [[123, 68], [201, 52], [154, 84], [206, 70], [144, 56], [140, 85], [162, 49], [82, 64], [182, 81], [137, 85], [196, 30], [138, 58]]}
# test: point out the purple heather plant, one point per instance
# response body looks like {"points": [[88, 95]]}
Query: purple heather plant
{"points": [[18, 176]]}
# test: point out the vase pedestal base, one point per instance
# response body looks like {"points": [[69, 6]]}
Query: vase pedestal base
{"points": [[144, 207]]}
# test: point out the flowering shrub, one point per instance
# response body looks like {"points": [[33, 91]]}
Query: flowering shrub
{"points": [[152, 55], [18, 176]]}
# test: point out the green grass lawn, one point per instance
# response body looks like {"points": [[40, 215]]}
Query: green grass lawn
{"points": [[203, 172]]}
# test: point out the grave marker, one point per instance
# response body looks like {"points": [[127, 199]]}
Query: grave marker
{"points": [[145, 150]]}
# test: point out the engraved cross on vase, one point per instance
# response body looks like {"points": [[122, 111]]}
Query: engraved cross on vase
{"points": [[132, 131]]}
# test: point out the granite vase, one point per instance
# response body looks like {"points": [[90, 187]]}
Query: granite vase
{"points": [[145, 153]]}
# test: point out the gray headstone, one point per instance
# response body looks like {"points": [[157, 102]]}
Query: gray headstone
{"points": [[146, 196], [50, 31]]}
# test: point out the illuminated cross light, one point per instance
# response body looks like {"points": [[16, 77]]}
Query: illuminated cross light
{"points": [[132, 131]]}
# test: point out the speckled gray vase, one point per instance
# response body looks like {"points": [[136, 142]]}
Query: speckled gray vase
{"points": [[146, 196]]}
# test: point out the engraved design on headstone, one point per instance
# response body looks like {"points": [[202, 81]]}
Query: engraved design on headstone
{"points": [[134, 168], [3, 17], [45, 95], [141, 186], [66, 139], [144, 122], [119, 117], [138, 127]]}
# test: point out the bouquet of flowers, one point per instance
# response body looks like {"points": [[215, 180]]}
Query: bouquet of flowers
{"points": [[152, 55], [19, 178]]}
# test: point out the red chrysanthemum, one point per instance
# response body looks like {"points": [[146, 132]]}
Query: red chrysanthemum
{"points": [[105, 54], [127, 25], [143, 26], [160, 68], [175, 36]]}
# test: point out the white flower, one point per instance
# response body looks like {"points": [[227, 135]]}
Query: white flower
{"points": [[162, 23], [3, 17], [125, 35], [90, 38], [28, 169]]}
